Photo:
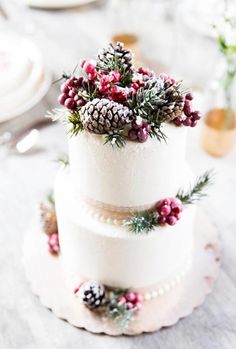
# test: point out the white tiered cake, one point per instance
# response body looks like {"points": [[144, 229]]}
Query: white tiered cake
{"points": [[101, 188], [123, 235]]}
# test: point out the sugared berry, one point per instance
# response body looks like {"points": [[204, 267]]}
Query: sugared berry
{"points": [[169, 210], [187, 122], [142, 135], [189, 96], [53, 244], [178, 121], [171, 220], [70, 103]]}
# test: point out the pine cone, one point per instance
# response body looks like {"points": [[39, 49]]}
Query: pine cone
{"points": [[49, 220], [103, 116], [171, 103], [92, 293], [112, 55]]}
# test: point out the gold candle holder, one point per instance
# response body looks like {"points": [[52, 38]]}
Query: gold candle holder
{"points": [[219, 130], [131, 41]]}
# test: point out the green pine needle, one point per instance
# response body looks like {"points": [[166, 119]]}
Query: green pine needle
{"points": [[196, 192], [116, 140], [76, 124], [142, 222]]}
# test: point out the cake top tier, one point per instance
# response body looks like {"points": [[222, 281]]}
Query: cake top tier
{"points": [[109, 96]]}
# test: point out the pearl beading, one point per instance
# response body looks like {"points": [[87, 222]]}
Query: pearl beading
{"points": [[167, 286], [158, 291]]}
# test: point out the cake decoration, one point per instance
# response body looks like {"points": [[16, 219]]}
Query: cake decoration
{"points": [[112, 98], [49, 223], [168, 210], [115, 303]]}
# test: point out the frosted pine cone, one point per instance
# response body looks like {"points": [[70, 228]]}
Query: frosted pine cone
{"points": [[49, 220], [171, 103], [92, 294], [103, 116], [112, 55]]}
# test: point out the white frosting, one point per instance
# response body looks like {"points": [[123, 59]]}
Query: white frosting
{"points": [[111, 254], [136, 175]]}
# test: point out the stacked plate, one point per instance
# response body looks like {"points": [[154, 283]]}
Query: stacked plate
{"points": [[23, 79], [55, 4]]}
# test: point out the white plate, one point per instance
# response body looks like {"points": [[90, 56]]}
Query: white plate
{"points": [[57, 4], [41, 91], [24, 78]]}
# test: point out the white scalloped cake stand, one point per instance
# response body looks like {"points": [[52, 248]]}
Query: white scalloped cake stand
{"points": [[45, 275]]}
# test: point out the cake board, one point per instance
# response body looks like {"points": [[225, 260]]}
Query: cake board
{"points": [[45, 275]]}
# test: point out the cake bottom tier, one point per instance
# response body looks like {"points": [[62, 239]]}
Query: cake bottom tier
{"points": [[91, 249]]}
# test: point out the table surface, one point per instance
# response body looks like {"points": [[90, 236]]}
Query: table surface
{"points": [[24, 182]]}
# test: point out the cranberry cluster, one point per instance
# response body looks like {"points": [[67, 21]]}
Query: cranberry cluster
{"points": [[69, 93], [192, 117], [131, 300], [139, 131], [169, 210], [53, 244]]}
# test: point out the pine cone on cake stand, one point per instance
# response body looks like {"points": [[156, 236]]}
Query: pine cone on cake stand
{"points": [[92, 294]]}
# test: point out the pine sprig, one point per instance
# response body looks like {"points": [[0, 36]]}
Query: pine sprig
{"points": [[76, 124], [196, 192], [115, 139], [57, 114], [142, 222], [116, 311]]}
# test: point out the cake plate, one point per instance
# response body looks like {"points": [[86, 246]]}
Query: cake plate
{"points": [[45, 275]]}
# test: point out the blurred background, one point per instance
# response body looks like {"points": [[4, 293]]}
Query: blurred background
{"points": [[40, 39]]}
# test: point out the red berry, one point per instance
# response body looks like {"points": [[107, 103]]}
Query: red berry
{"points": [[166, 201], [147, 126], [80, 102], [129, 306], [165, 210], [196, 115], [171, 220], [65, 88], [70, 103], [189, 96], [142, 135], [136, 125], [130, 297], [62, 98], [133, 135], [187, 110], [70, 82], [162, 220], [193, 123], [178, 121], [53, 243], [187, 122], [72, 93]]}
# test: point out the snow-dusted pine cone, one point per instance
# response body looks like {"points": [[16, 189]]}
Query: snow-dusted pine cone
{"points": [[92, 294], [171, 103], [115, 54], [103, 116], [49, 219]]}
